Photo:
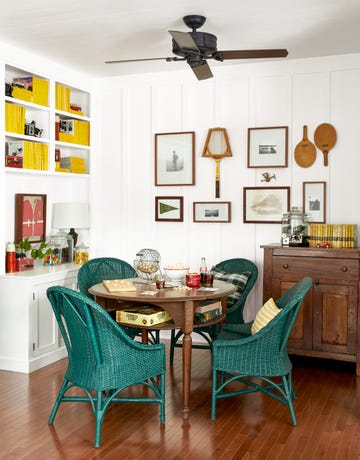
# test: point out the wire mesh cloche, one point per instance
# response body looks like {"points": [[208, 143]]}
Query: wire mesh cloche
{"points": [[147, 263]]}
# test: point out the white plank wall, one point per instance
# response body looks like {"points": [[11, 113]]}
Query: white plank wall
{"points": [[285, 93]]}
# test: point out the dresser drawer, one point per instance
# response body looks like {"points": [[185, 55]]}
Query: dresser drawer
{"points": [[316, 268]]}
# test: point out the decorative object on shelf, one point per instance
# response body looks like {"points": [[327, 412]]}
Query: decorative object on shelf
{"points": [[169, 208], [212, 211], [71, 216], [265, 205], [30, 217], [32, 130], [267, 177], [325, 139], [294, 228], [81, 254], [217, 146], [175, 158], [305, 151], [314, 201], [147, 264], [268, 147]]}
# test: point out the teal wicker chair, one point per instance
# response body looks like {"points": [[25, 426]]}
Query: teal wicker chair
{"points": [[235, 309], [102, 268], [261, 357], [102, 360], [109, 268]]}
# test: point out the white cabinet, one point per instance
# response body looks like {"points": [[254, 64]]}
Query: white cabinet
{"points": [[29, 335]]}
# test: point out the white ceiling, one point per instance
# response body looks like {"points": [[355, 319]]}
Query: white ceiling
{"points": [[83, 34]]}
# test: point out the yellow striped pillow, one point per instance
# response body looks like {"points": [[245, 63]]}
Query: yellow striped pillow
{"points": [[266, 313]]}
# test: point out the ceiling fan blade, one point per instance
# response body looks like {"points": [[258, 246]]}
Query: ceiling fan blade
{"points": [[202, 71], [250, 54], [184, 40], [138, 60]]}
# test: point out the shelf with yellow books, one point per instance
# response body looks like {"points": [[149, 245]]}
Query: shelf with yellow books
{"points": [[71, 100], [25, 86], [23, 154]]}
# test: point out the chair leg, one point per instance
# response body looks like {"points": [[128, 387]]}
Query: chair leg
{"points": [[173, 340], [162, 403], [99, 416], [58, 401], [288, 391], [213, 395]]}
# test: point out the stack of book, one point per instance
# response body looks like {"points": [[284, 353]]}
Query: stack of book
{"points": [[33, 89], [73, 164], [27, 155], [62, 100], [80, 133], [337, 235], [208, 311], [14, 118]]}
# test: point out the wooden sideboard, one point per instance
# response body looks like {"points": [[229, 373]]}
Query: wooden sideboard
{"points": [[328, 323]]}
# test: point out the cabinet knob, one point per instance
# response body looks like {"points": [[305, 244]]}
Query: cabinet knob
{"points": [[285, 266], [344, 269]]}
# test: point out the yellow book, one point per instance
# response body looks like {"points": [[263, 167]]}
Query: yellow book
{"points": [[143, 316], [23, 94], [40, 91], [14, 118]]}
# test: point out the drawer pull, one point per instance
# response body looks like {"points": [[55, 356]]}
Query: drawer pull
{"points": [[285, 266], [344, 269]]}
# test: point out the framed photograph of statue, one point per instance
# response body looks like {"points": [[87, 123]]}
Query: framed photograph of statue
{"points": [[175, 158]]}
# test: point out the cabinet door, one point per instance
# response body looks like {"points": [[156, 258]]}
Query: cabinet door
{"points": [[301, 334], [335, 318], [44, 329]]}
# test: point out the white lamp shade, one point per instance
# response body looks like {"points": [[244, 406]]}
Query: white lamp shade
{"points": [[71, 215]]}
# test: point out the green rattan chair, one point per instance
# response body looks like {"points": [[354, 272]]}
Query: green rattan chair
{"points": [[109, 268], [102, 360], [102, 268], [234, 313], [260, 360]]}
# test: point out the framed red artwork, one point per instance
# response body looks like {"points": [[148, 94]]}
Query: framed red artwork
{"points": [[30, 217]]}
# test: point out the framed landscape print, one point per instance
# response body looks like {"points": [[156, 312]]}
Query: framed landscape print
{"points": [[265, 204], [212, 211], [169, 208], [314, 201], [30, 217], [268, 147], [175, 158]]}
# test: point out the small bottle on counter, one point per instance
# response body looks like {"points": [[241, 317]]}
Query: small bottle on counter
{"points": [[10, 258]]}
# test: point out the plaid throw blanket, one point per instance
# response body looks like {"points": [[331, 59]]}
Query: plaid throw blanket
{"points": [[238, 279]]}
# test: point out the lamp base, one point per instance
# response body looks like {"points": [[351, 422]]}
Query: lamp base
{"points": [[74, 236]]}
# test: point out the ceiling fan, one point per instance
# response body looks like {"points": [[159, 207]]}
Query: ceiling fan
{"points": [[196, 47]]}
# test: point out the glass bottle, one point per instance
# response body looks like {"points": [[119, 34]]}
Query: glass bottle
{"points": [[203, 267]]}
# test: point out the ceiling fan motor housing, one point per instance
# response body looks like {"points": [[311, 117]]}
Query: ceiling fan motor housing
{"points": [[207, 44]]}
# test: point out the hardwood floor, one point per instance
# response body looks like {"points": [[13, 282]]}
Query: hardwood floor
{"points": [[248, 427]]}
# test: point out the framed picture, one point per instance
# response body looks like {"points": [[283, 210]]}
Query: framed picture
{"points": [[212, 211], [314, 201], [268, 147], [265, 205], [169, 208], [175, 158], [30, 217]]}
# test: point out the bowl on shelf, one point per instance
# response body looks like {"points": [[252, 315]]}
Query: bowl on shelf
{"points": [[175, 274]]}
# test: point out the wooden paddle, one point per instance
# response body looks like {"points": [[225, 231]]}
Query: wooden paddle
{"points": [[305, 151], [325, 139]]}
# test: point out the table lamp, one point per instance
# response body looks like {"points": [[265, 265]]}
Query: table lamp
{"points": [[71, 216]]}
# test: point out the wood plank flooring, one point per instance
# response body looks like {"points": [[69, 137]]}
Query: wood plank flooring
{"points": [[248, 427]]}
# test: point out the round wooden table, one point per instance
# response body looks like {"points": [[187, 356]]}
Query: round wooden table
{"points": [[180, 304]]}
